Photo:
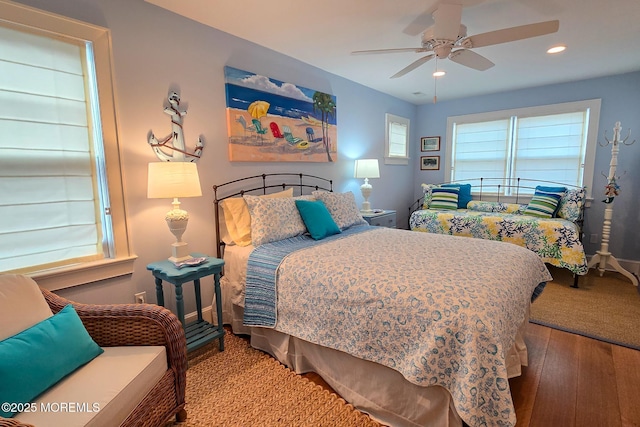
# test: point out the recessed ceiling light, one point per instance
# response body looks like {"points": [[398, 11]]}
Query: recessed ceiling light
{"points": [[439, 74], [556, 49]]}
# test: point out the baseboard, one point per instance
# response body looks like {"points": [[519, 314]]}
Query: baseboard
{"points": [[206, 315], [630, 265]]}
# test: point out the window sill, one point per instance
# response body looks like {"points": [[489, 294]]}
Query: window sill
{"points": [[396, 160], [81, 274]]}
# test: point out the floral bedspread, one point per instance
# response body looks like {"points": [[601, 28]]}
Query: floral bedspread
{"points": [[555, 240], [441, 310]]}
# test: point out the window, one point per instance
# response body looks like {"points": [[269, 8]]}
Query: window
{"points": [[396, 140], [62, 215], [551, 143]]}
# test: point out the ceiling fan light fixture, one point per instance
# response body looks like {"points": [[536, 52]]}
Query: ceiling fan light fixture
{"points": [[556, 49]]}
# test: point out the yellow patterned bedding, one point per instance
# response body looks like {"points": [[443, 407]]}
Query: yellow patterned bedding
{"points": [[555, 240]]}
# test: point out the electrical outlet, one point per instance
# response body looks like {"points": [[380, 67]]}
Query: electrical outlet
{"points": [[141, 297], [593, 238]]}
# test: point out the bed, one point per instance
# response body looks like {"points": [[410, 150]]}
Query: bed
{"points": [[552, 231], [397, 322]]}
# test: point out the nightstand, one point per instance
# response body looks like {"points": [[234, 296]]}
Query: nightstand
{"points": [[200, 332], [381, 219]]}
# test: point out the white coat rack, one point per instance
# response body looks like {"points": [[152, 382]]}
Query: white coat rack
{"points": [[603, 256]]}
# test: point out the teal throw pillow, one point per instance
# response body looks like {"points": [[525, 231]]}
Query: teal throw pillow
{"points": [[444, 198], [464, 193], [37, 358], [317, 219], [544, 202]]}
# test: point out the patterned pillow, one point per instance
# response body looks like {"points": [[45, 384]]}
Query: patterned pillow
{"points": [[274, 219], [426, 189], [571, 204], [237, 221], [497, 207], [342, 207], [544, 202], [444, 198]]}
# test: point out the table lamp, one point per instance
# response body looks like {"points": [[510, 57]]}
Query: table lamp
{"points": [[170, 180], [366, 168]]}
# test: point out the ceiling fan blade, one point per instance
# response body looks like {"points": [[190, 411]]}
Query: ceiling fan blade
{"points": [[514, 33], [412, 66], [447, 19], [398, 50], [471, 59], [425, 19], [420, 23]]}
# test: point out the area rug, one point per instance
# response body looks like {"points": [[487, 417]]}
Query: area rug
{"points": [[606, 308], [242, 386]]}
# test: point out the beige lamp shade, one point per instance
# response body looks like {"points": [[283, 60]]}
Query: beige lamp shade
{"points": [[170, 180], [367, 168], [167, 180]]}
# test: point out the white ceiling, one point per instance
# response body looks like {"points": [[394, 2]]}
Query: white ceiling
{"points": [[602, 38]]}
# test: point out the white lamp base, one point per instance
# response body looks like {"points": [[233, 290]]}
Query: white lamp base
{"points": [[366, 192], [179, 252], [177, 220]]}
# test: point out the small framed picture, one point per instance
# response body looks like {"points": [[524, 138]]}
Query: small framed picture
{"points": [[430, 143], [430, 163]]}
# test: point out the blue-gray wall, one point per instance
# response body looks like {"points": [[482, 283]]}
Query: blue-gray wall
{"points": [[153, 50], [620, 96]]}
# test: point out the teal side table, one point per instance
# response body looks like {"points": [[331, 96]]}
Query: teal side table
{"points": [[200, 332]]}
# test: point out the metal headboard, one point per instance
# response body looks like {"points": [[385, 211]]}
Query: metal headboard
{"points": [[259, 184], [496, 186]]}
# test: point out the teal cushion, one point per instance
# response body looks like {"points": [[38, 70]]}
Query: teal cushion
{"points": [[444, 198], [40, 356], [464, 193], [317, 219], [544, 202], [552, 189]]}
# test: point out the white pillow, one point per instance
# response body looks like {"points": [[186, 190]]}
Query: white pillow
{"points": [[342, 207], [238, 220], [22, 304], [275, 218]]}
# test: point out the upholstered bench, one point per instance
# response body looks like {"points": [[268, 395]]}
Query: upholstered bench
{"points": [[131, 361]]}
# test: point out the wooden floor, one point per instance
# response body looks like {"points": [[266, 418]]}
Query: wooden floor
{"points": [[573, 381], [576, 381]]}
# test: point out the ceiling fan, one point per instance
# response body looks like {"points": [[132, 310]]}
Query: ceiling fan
{"points": [[447, 38]]}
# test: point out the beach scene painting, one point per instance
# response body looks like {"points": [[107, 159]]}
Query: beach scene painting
{"points": [[272, 121]]}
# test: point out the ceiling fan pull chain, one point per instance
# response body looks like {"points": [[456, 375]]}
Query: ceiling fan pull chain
{"points": [[435, 84]]}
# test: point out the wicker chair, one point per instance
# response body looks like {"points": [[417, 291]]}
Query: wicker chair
{"points": [[137, 324]]}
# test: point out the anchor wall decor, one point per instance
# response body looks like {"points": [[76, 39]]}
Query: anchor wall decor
{"points": [[171, 148]]}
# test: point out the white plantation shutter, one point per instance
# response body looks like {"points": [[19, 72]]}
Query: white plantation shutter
{"points": [[481, 149], [49, 203], [398, 139], [551, 145]]}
